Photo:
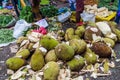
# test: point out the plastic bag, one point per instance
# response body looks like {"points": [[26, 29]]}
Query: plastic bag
{"points": [[64, 17], [20, 27], [42, 23], [88, 17]]}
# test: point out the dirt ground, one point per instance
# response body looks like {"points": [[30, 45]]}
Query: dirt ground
{"points": [[5, 53]]}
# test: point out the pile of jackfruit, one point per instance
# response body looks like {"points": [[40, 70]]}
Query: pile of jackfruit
{"points": [[56, 55]]}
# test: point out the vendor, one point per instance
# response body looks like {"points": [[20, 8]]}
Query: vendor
{"points": [[79, 10], [15, 3], [35, 9]]}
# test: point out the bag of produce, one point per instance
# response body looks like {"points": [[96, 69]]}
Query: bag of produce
{"points": [[20, 27], [88, 17], [64, 17]]}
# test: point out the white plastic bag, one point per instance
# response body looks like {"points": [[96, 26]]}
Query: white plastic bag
{"points": [[87, 16], [42, 23], [20, 27], [64, 17]]}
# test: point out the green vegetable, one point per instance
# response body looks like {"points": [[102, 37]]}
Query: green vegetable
{"points": [[4, 20], [106, 3], [49, 11], [26, 14], [6, 36]]}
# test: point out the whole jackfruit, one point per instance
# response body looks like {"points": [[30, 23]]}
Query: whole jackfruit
{"points": [[64, 52], [78, 45], [51, 71], [15, 63], [90, 31], [102, 49], [50, 56], [37, 60], [109, 42], [90, 57], [76, 63], [80, 31], [48, 42], [23, 53]]}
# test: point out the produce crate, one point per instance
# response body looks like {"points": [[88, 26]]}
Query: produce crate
{"points": [[112, 16]]}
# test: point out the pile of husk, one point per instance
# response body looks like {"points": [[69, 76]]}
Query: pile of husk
{"points": [[65, 55]]}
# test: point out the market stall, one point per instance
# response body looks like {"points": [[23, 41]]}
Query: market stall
{"points": [[48, 50]]}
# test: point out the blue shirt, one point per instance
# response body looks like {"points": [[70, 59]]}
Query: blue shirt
{"points": [[119, 6]]}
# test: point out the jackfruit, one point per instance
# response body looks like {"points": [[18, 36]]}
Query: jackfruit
{"points": [[48, 42], [51, 71], [50, 56], [37, 60], [102, 49], [90, 56], [76, 63], [64, 52], [15, 63], [90, 31], [78, 45], [23, 53], [80, 31]]}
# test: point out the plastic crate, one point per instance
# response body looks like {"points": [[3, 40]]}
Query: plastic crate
{"points": [[112, 16]]}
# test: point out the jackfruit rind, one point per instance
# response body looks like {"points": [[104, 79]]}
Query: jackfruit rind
{"points": [[20, 39], [109, 41]]}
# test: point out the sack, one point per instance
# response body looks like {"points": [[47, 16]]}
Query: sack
{"points": [[88, 17], [20, 27]]}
